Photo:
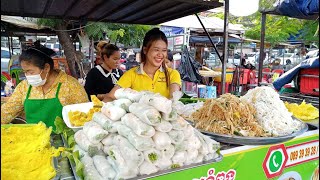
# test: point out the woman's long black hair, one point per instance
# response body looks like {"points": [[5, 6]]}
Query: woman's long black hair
{"points": [[151, 36]]}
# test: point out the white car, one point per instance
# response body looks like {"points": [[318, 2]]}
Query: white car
{"points": [[295, 59]]}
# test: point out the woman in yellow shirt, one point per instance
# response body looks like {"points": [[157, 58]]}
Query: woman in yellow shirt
{"points": [[44, 92], [152, 74]]}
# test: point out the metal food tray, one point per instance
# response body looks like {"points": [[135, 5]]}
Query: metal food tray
{"points": [[160, 173], [241, 140]]}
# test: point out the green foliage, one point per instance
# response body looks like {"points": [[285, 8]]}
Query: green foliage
{"points": [[127, 34], [49, 22], [278, 28]]}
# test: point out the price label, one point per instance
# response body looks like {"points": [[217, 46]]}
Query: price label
{"points": [[301, 153]]}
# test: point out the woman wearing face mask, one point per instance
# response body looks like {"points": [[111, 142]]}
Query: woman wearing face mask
{"points": [[101, 79], [152, 74], [44, 92]]}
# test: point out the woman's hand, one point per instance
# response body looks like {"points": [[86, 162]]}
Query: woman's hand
{"points": [[174, 88], [110, 96], [100, 96]]}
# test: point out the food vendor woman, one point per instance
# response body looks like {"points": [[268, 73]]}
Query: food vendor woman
{"points": [[45, 90], [102, 78], [152, 74]]}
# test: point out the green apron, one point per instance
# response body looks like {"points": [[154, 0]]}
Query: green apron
{"points": [[45, 110]]}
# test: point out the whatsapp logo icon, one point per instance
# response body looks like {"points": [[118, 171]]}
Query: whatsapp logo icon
{"points": [[275, 161]]}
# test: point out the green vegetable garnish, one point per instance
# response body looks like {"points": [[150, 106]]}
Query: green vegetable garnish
{"points": [[153, 157], [112, 155], [175, 166]]}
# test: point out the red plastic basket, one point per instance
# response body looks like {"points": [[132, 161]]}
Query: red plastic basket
{"points": [[309, 81]]}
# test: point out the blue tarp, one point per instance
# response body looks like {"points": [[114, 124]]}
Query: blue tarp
{"points": [[302, 9], [289, 75]]}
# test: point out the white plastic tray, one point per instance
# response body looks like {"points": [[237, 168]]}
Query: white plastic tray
{"points": [[83, 107]]}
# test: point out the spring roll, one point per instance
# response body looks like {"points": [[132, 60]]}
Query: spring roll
{"points": [[90, 172], [123, 103], [172, 116], [113, 112], [140, 128], [102, 120], [140, 143], [108, 141], [103, 166], [145, 113], [84, 143], [94, 132], [129, 153], [152, 155], [176, 136], [164, 126], [147, 168], [159, 102], [161, 140]]}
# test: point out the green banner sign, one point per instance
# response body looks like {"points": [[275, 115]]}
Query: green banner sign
{"points": [[296, 159]]}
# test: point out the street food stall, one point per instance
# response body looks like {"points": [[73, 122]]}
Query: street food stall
{"points": [[142, 135]]}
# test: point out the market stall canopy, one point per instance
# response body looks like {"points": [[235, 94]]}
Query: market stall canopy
{"points": [[301, 9], [151, 12], [18, 26], [212, 24], [19, 21]]}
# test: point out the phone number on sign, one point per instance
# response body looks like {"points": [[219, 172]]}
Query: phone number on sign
{"points": [[302, 152]]}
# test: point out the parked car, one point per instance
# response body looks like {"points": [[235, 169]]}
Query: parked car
{"points": [[5, 59], [292, 57]]}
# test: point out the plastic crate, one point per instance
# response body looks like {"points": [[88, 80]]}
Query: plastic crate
{"points": [[309, 81]]}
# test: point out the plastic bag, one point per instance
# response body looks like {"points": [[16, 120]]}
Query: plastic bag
{"points": [[189, 68]]}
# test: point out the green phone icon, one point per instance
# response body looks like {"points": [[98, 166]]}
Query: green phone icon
{"points": [[275, 161]]}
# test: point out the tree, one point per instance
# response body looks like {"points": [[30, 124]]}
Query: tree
{"points": [[60, 26], [127, 34]]}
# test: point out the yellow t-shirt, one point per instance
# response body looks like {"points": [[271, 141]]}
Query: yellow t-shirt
{"points": [[71, 92], [138, 80]]}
